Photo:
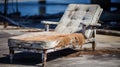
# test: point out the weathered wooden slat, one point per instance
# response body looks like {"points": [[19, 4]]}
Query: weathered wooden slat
{"points": [[108, 32]]}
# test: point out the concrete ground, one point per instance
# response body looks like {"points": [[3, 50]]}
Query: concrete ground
{"points": [[107, 54]]}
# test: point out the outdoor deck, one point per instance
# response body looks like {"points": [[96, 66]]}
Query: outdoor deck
{"points": [[107, 54]]}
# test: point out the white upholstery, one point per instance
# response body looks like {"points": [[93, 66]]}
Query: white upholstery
{"points": [[76, 14]]}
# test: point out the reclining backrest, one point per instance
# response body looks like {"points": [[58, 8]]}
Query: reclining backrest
{"points": [[76, 14]]}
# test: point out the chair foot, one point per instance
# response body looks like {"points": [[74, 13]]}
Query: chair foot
{"points": [[44, 58], [11, 56], [93, 46]]}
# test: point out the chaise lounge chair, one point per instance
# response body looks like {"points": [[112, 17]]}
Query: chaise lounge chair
{"points": [[76, 27]]}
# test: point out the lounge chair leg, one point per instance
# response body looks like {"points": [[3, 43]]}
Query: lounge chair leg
{"points": [[11, 55], [93, 46], [44, 58], [94, 42], [47, 27]]}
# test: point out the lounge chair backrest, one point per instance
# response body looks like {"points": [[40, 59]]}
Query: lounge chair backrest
{"points": [[76, 14]]}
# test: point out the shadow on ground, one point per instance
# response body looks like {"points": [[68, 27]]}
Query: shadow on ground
{"points": [[28, 58], [105, 57], [33, 59]]}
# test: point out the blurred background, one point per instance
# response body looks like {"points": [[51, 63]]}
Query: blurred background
{"points": [[29, 13]]}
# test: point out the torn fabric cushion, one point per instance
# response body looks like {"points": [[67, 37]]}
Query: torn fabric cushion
{"points": [[46, 40]]}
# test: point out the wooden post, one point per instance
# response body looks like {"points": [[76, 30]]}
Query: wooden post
{"points": [[5, 24], [5, 12], [44, 58], [5, 7], [94, 42], [42, 1], [17, 6], [42, 8], [11, 51]]}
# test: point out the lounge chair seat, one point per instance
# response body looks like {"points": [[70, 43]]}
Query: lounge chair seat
{"points": [[39, 40]]}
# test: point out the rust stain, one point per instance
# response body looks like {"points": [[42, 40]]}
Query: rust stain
{"points": [[75, 39]]}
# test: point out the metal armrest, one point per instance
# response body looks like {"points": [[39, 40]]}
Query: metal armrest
{"points": [[96, 25], [47, 23]]}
